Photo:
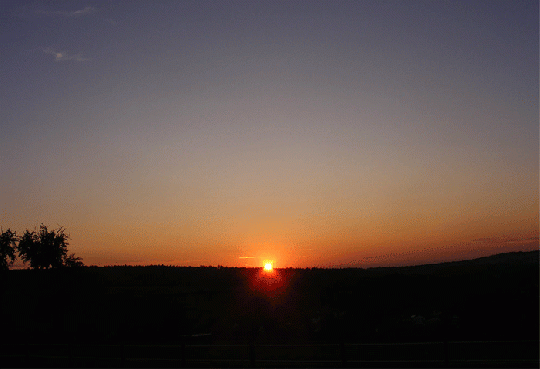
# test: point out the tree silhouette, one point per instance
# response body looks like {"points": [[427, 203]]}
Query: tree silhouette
{"points": [[73, 261], [7, 249], [46, 249]]}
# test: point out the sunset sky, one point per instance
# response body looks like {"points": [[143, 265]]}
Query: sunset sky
{"points": [[311, 133]]}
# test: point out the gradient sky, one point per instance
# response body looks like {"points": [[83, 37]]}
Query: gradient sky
{"points": [[311, 133]]}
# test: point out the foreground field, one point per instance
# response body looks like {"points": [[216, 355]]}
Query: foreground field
{"points": [[482, 312]]}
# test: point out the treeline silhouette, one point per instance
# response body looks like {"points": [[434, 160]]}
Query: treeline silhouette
{"points": [[494, 298]]}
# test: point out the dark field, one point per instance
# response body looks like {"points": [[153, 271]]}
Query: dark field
{"points": [[478, 313]]}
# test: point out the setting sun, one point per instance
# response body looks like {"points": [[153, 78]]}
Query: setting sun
{"points": [[268, 266]]}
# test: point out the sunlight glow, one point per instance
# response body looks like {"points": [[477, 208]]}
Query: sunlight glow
{"points": [[268, 265]]}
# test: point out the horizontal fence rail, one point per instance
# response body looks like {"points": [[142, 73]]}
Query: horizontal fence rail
{"points": [[433, 354]]}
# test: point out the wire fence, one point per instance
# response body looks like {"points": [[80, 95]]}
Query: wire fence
{"points": [[417, 354]]}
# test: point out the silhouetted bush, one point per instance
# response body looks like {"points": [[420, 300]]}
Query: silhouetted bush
{"points": [[8, 240]]}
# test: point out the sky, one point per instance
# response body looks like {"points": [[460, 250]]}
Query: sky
{"points": [[310, 133]]}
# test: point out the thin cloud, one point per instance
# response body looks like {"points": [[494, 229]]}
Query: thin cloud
{"points": [[71, 14], [63, 55], [485, 239], [523, 240], [506, 240]]}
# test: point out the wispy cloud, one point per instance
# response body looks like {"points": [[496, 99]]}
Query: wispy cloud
{"points": [[69, 14], [485, 239], [506, 239], [63, 55], [523, 240], [246, 257]]}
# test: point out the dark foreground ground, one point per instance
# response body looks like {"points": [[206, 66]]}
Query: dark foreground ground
{"points": [[478, 313]]}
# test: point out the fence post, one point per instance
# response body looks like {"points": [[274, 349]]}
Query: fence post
{"points": [[70, 355], [183, 352], [446, 333], [252, 354], [26, 359], [446, 358], [342, 354]]}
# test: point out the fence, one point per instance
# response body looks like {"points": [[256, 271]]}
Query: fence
{"points": [[426, 354]]}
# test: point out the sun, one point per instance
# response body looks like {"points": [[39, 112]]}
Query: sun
{"points": [[268, 265]]}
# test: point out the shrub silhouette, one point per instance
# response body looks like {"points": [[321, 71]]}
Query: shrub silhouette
{"points": [[46, 249], [7, 249], [73, 261]]}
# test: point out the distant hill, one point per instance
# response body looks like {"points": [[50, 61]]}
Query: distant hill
{"points": [[504, 259]]}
